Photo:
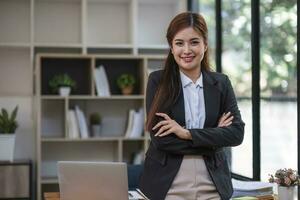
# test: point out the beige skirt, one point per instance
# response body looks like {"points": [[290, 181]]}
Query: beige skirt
{"points": [[192, 182]]}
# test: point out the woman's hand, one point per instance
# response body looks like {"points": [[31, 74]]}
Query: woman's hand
{"points": [[168, 126], [225, 120]]}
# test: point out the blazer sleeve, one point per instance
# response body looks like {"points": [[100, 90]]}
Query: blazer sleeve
{"points": [[231, 135], [170, 143]]}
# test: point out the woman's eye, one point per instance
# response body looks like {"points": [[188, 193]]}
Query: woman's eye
{"points": [[195, 42], [179, 43]]}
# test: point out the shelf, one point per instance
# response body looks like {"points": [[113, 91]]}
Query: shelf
{"points": [[114, 67], [110, 46], [84, 97], [49, 180], [53, 118], [95, 139], [15, 21], [15, 45], [57, 21], [114, 113], [112, 16], [58, 45], [75, 67], [154, 46]]}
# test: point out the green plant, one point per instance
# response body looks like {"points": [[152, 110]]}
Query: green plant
{"points": [[8, 124], [125, 80], [95, 119], [60, 80]]}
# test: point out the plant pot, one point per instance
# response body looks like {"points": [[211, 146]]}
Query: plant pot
{"points": [[7, 147], [286, 193], [96, 130], [127, 90], [64, 91]]}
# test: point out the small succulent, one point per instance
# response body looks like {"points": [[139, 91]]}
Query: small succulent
{"points": [[60, 80], [8, 123], [125, 80], [95, 119]]}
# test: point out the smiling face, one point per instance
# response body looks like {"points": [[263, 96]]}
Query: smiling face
{"points": [[188, 48]]}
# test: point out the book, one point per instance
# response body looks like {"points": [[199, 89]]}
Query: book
{"points": [[131, 113], [251, 188], [138, 124], [73, 129], [83, 129], [102, 84]]}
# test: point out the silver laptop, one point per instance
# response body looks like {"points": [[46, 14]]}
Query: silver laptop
{"points": [[92, 180]]}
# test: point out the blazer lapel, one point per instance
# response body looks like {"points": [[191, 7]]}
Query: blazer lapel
{"points": [[212, 100]]}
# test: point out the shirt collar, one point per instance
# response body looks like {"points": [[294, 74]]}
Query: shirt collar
{"points": [[186, 81]]}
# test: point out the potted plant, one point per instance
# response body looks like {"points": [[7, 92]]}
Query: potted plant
{"points": [[286, 180], [126, 83], [8, 126], [62, 84], [95, 123]]}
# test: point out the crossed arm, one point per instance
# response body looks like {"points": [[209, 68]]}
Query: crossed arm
{"points": [[169, 136]]}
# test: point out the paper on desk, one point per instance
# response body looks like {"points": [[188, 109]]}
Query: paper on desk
{"points": [[251, 185]]}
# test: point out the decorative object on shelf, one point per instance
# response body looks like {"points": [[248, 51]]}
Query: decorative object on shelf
{"points": [[8, 126], [95, 123], [62, 84], [286, 180], [126, 83]]}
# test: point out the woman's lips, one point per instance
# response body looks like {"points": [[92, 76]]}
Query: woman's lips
{"points": [[187, 59]]}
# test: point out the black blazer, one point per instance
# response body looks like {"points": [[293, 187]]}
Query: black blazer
{"points": [[165, 154]]}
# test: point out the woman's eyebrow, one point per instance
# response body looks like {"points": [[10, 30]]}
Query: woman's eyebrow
{"points": [[190, 39]]}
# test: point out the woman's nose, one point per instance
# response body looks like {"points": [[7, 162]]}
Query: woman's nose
{"points": [[186, 49]]}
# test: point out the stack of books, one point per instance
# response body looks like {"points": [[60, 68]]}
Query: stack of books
{"points": [[135, 123], [77, 125], [248, 190]]}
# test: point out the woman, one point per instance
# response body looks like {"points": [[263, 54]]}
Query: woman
{"points": [[186, 105]]}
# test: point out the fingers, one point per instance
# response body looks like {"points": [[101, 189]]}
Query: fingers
{"points": [[166, 133], [163, 115], [161, 123], [163, 129], [224, 125], [225, 120], [166, 126], [224, 116]]}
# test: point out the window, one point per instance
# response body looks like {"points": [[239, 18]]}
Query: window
{"points": [[277, 127]]}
